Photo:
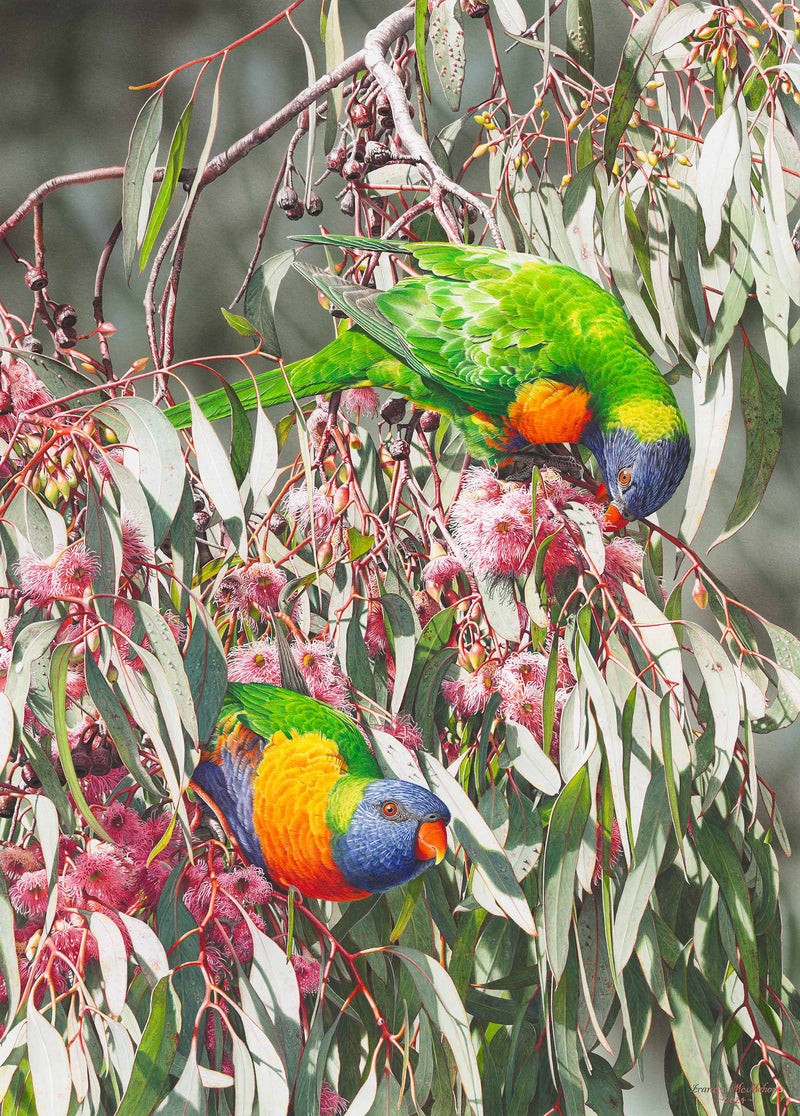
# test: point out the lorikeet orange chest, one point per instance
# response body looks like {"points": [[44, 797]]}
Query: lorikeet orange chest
{"points": [[297, 786]]}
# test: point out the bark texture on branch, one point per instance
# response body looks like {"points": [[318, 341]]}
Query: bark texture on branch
{"points": [[376, 46]]}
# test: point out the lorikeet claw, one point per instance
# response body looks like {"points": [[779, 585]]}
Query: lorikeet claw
{"points": [[431, 841], [614, 520]]}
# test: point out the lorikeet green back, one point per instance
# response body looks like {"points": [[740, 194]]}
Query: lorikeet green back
{"points": [[513, 351], [296, 784]]}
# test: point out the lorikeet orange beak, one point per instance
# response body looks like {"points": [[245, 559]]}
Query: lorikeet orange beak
{"points": [[614, 520], [431, 841]]}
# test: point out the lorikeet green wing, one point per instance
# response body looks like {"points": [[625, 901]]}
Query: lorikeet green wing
{"points": [[514, 351], [295, 783]]}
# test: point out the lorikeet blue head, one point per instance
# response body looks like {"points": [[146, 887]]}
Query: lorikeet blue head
{"points": [[395, 832], [639, 476]]}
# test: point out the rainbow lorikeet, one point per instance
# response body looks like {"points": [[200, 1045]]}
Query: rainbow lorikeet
{"points": [[295, 783], [510, 349]]}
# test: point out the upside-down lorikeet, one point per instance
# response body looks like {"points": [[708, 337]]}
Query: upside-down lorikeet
{"points": [[512, 350], [295, 783]]}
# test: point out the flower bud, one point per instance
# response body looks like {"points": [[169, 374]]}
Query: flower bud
{"points": [[341, 498], [377, 154], [101, 761], [336, 157], [361, 116], [32, 344], [348, 204], [29, 776], [476, 654], [352, 170], [81, 761], [430, 421], [324, 554], [699, 593], [65, 338], [51, 492], [296, 212]]}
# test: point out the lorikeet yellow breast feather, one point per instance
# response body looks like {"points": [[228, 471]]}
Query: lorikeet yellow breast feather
{"points": [[512, 350], [294, 782]]}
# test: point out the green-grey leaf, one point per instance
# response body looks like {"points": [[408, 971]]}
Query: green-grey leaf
{"points": [[172, 172], [564, 837], [137, 181], [259, 299], [763, 424]]}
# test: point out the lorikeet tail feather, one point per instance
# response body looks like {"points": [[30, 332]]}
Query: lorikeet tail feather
{"points": [[342, 364]]}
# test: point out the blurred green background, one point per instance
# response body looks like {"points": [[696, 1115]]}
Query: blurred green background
{"points": [[64, 76]]}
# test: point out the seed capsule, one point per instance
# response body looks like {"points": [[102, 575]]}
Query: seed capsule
{"points": [[36, 278]]}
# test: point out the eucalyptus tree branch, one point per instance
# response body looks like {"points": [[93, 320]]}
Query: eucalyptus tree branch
{"points": [[376, 46]]}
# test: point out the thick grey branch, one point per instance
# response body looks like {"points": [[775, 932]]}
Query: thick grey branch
{"points": [[376, 46], [391, 28]]}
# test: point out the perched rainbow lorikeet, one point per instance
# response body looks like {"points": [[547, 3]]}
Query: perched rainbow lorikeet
{"points": [[296, 785], [510, 349]]}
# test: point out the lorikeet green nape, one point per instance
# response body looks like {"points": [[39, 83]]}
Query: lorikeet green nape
{"points": [[294, 782], [510, 349]]}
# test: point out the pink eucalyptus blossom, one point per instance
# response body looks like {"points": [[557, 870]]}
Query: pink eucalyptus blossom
{"points": [[29, 893], [246, 884], [255, 662], [70, 935], [14, 861], [296, 505], [330, 1103], [35, 578], [135, 551], [260, 585], [470, 693], [124, 825], [307, 971], [442, 570], [406, 730], [375, 639], [74, 571], [360, 401], [321, 672], [101, 873]]}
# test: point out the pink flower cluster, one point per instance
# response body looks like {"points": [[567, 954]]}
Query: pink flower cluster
{"points": [[315, 658], [299, 508], [494, 522], [257, 585], [110, 877], [216, 897], [520, 682], [25, 389]]}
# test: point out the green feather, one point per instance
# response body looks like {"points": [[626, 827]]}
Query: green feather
{"points": [[269, 709], [465, 336]]}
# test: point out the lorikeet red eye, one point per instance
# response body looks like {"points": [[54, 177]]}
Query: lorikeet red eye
{"points": [[390, 809], [625, 477]]}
